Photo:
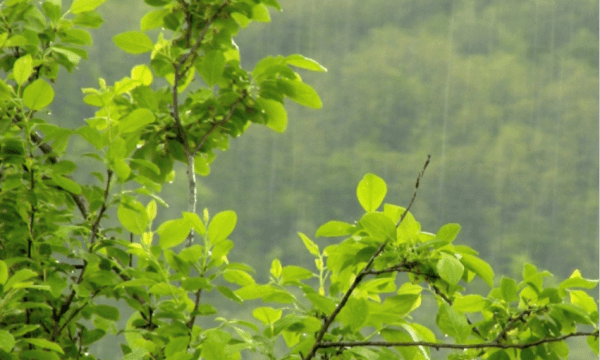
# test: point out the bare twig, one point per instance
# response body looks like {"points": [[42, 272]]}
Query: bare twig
{"points": [[96, 224]]}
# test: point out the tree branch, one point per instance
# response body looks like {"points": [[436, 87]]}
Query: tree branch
{"points": [[329, 320], [437, 346]]}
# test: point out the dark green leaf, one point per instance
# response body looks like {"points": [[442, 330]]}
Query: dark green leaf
{"points": [[107, 312], [211, 67], [92, 336]]}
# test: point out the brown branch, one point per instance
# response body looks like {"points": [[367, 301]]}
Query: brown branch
{"points": [[329, 320], [196, 304], [437, 346]]}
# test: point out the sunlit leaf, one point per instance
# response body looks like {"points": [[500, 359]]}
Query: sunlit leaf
{"points": [[173, 232], [79, 6], [38, 95], [22, 69], [134, 42], [370, 192], [221, 226], [335, 229]]}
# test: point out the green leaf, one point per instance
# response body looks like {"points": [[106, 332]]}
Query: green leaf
{"points": [[402, 305], [335, 229], [88, 19], [267, 315], [479, 267], [508, 287], [304, 63], [448, 232], [300, 92], [310, 245], [211, 67], [354, 313], [191, 254], [3, 272], [499, 355], [67, 184], [80, 6], [38, 95], [132, 215], [575, 280], [276, 268], [45, 344], [321, 303], [229, 294], [593, 343], [18, 278], [173, 232], [450, 269], [142, 74], [452, 322], [254, 291], [195, 221], [276, 114], [196, 283], [221, 226], [134, 42], [136, 119], [108, 312], [260, 13], [370, 192], [221, 249], [7, 341], [470, 303], [575, 312], [292, 274], [379, 226], [22, 69], [153, 19], [239, 277]]}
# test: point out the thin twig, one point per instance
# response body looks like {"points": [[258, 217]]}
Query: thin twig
{"points": [[329, 320], [220, 122], [437, 346], [511, 323]]}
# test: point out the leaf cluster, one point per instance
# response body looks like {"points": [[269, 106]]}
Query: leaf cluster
{"points": [[60, 262]]}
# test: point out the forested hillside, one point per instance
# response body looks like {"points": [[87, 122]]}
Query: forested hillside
{"points": [[502, 94]]}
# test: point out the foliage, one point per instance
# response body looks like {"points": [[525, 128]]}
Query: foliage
{"points": [[61, 259]]}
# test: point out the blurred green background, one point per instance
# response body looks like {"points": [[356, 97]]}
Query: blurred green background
{"points": [[502, 93]]}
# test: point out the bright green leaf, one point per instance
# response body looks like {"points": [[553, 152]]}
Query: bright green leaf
{"points": [[22, 69], [221, 226], [310, 245], [276, 114], [355, 313], [211, 67], [136, 119], [508, 287], [107, 312], [335, 229], [370, 192], [379, 226], [38, 95], [292, 273], [304, 63], [80, 6], [300, 92], [7, 341], [229, 294], [153, 19], [173, 232], [142, 73], [450, 269], [132, 215], [45, 344], [470, 303], [448, 232], [134, 42], [3, 272], [267, 315], [479, 267], [593, 343], [452, 323], [576, 280], [239, 277]]}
